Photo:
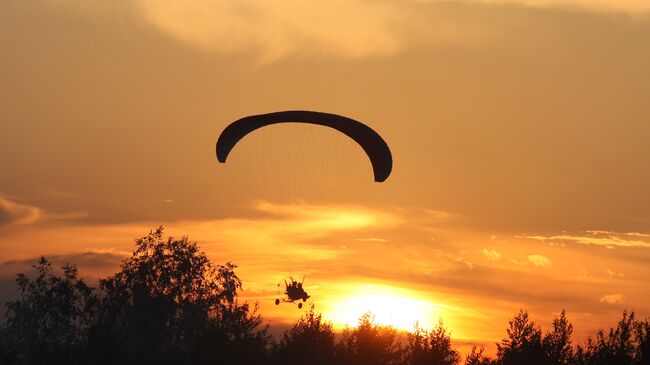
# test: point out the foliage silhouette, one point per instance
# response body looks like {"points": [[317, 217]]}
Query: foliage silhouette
{"points": [[625, 344], [369, 343], [523, 344], [477, 357], [310, 341], [51, 320], [168, 304], [557, 343], [642, 337], [431, 348]]}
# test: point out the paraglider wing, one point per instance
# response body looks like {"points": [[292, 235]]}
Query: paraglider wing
{"points": [[371, 142]]}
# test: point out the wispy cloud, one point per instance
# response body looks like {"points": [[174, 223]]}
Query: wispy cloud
{"points": [[279, 28], [539, 260], [492, 255], [312, 219], [162, 200], [612, 299], [625, 6], [613, 274], [276, 29], [344, 28], [599, 238], [349, 29], [15, 213]]}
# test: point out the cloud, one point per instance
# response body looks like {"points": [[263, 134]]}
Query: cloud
{"points": [[284, 232], [343, 28], [613, 274], [625, 6], [612, 299], [56, 193], [539, 260], [315, 218], [15, 213], [492, 255], [165, 200], [12, 213], [351, 29], [599, 238], [276, 29]]}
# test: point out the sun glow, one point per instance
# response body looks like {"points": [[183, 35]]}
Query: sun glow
{"points": [[389, 306]]}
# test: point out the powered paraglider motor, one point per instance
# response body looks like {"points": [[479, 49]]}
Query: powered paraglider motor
{"points": [[293, 292]]}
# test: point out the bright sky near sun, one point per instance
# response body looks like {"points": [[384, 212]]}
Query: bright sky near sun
{"points": [[519, 131], [388, 306]]}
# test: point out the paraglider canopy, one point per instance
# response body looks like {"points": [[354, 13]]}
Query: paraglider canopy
{"points": [[371, 142]]}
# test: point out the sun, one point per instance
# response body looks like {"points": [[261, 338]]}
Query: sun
{"points": [[389, 306]]}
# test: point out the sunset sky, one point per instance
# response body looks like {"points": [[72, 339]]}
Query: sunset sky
{"points": [[519, 131]]}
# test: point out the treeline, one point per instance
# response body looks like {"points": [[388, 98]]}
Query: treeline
{"points": [[168, 304]]}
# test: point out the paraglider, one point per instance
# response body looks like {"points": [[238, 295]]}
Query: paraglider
{"points": [[371, 142], [375, 147], [293, 292]]}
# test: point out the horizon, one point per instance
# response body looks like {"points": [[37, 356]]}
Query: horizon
{"points": [[377, 319]]}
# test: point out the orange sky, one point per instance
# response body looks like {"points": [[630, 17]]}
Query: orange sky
{"points": [[518, 129]]}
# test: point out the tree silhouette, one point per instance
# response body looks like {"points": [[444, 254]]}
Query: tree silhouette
{"points": [[557, 343], [170, 304], [642, 335], [49, 323], [524, 343], [431, 348], [616, 347], [477, 357], [310, 341], [369, 343]]}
